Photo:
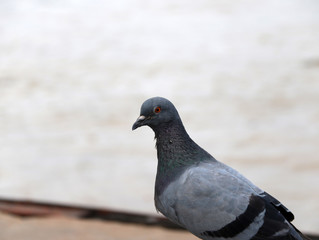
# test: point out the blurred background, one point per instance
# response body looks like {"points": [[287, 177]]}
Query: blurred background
{"points": [[243, 74]]}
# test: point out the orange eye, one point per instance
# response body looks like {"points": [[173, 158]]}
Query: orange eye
{"points": [[157, 109]]}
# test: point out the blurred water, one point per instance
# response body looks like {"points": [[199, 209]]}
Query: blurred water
{"points": [[73, 74]]}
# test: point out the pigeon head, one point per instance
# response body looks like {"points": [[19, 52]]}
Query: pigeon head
{"points": [[156, 112]]}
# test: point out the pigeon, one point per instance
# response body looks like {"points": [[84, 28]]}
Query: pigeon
{"points": [[203, 195]]}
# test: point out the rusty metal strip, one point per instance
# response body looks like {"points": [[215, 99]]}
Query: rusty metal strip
{"points": [[25, 208]]}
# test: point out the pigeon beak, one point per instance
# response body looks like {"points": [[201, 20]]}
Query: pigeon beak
{"points": [[139, 122]]}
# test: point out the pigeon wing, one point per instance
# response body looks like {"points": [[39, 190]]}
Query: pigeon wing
{"points": [[213, 201]]}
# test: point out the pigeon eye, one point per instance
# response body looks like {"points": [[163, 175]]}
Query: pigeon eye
{"points": [[157, 109]]}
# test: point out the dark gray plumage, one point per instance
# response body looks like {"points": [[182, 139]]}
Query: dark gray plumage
{"points": [[203, 195]]}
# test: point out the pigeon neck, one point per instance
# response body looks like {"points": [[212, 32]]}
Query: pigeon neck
{"points": [[175, 152], [170, 131]]}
